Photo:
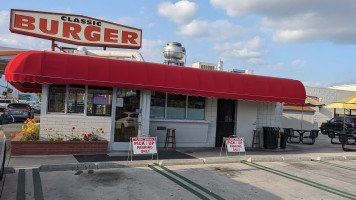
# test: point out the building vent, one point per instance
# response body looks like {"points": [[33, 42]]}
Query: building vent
{"points": [[204, 65], [241, 71], [174, 53]]}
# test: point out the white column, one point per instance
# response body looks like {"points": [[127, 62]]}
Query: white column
{"points": [[44, 99], [144, 120]]}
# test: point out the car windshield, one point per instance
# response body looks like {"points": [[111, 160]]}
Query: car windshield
{"points": [[5, 101], [17, 106]]}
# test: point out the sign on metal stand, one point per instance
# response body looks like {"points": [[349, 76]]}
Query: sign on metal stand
{"points": [[233, 143], [143, 145]]}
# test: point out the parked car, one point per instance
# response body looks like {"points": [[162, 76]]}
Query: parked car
{"points": [[35, 106], [3, 152], [127, 119], [4, 103], [336, 124], [20, 111]]}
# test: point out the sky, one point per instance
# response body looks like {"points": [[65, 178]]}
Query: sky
{"points": [[310, 41]]}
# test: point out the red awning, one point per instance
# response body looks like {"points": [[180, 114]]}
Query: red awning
{"points": [[29, 70]]}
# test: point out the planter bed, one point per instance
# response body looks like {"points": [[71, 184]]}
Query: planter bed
{"points": [[19, 147]]}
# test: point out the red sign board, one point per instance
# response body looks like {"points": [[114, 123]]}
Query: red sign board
{"points": [[74, 29]]}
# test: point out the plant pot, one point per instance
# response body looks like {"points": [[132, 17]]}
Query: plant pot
{"points": [[19, 147]]}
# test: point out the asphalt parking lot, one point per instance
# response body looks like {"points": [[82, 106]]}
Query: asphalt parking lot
{"points": [[265, 180]]}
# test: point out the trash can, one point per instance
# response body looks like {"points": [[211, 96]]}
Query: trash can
{"points": [[270, 137], [283, 140]]}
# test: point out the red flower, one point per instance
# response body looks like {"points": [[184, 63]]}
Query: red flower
{"points": [[50, 129], [89, 134], [101, 129], [73, 128]]}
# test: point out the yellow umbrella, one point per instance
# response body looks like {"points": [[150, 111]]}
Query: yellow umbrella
{"points": [[341, 105], [347, 103], [348, 100]]}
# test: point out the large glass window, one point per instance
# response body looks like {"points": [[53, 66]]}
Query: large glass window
{"points": [[196, 108], [57, 96], [99, 101], [158, 102], [76, 99], [176, 106]]}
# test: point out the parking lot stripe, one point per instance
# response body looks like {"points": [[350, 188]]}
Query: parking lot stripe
{"points": [[196, 193], [37, 184], [191, 182], [336, 165], [21, 185], [303, 180]]}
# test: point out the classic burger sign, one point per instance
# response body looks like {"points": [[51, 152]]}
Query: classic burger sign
{"points": [[74, 29]]}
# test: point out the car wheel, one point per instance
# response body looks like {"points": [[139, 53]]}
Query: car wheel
{"points": [[3, 164]]}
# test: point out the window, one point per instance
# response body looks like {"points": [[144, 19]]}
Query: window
{"points": [[158, 102], [99, 101], [196, 108], [76, 98], [177, 106], [57, 96]]}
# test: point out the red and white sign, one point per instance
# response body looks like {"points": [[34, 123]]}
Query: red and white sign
{"points": [[74, 29], [144, 145], [235, 145]]}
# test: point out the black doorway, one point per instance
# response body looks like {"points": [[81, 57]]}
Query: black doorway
{"points": [[225, 120]]}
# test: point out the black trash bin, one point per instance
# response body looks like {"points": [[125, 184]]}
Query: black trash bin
{"points": [[283, 140], [270, 137]]}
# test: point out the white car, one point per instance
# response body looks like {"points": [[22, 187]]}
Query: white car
{"points": [[3, 152], [127, 119]]}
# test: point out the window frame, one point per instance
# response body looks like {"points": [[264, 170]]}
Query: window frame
{"points": [[66, 102], [186, 109]]}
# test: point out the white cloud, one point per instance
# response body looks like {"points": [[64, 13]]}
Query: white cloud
{"points": [[246, 49], [152, 50], [214, 31], [125, 20], [181, 12], [257, 61], [68, 11], [298, 62], [4, 17], [299, 21]]}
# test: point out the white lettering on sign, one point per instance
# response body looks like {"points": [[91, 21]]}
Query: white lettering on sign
{"points": [[74, 29], [235, 145], [145, 145]]}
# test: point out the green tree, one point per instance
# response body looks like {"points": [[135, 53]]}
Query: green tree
{"points": [[9, 90]]}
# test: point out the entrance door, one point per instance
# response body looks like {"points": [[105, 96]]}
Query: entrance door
{"points": [[225, 121], [126, 117]]}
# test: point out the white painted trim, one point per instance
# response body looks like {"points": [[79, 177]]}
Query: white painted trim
{"points": [[180, 121]]}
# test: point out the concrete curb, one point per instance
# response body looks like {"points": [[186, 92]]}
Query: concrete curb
{"points": [[198, 161]]}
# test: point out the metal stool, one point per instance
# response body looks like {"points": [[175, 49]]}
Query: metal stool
{"points": [[256, 136], [169, 135]]}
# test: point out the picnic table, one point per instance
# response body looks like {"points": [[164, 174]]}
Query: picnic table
{"points": [[347, 138]]}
